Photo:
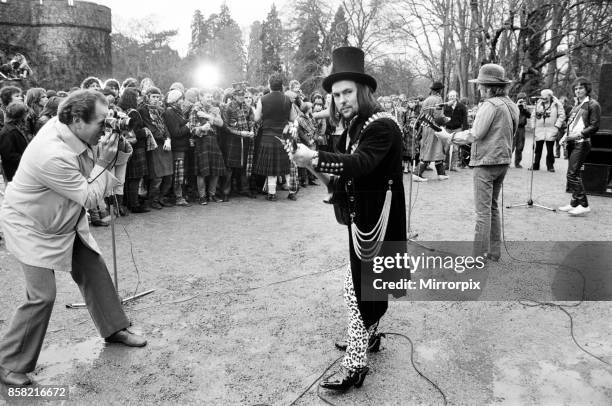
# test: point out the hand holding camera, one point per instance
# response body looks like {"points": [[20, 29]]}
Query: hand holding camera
{"points": [[107, 149]]}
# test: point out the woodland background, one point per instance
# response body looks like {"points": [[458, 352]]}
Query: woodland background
{"points": [[408, 43]]}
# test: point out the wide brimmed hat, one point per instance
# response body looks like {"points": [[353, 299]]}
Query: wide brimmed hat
{"points": [[437, 86], [348, 64], [491, 74]]}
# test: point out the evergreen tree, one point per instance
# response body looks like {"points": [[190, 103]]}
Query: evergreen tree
{"points": [[271, 42], [338, 33], [219, 41], [199, 34], [311, 22], [254, 74], [308, 58]]}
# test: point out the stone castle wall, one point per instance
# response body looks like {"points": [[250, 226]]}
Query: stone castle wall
{"points": [[63, 43]]}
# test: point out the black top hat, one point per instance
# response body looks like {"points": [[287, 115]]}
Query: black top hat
{"points": [[348, 64], [437, 86]]}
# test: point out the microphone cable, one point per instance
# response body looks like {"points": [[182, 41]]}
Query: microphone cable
{"points": [[536, 303]]}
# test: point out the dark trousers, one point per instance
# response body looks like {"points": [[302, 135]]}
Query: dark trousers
{"points": [[550, 156], [577, 153], [242, 182], [132, 192], [424, 164], [518, 143], [21, 345], [159, 188]]}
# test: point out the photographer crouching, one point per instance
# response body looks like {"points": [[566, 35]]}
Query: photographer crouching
{"points": [[45, 227]]}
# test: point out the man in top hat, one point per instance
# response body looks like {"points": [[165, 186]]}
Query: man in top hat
{"points": [[491, 136], [432, 148], [369, 163]]}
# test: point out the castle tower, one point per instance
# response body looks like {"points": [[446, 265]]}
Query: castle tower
{"points": [[64, 41]]}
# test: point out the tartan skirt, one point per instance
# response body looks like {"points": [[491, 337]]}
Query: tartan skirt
{"points": [[208, 157], [137, 164], [271, 158]]}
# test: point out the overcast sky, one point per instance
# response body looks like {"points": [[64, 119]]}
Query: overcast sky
{"points": [[177, 14]]}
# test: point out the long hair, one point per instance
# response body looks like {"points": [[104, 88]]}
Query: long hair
{"points": [[365, 100], [129, 98], [50, 109], [6, 94], [496, 90], [32, 98]]}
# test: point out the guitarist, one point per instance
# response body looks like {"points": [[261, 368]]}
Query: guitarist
{"points": [[368, 164], [491, 136]]}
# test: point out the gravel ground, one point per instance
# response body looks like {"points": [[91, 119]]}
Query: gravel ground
{"points": [[222, 329]]}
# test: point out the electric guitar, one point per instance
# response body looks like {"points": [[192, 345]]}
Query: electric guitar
{"points": [[426, 120]]}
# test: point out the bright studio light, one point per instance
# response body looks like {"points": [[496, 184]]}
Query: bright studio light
{"points": [[207, 75]]}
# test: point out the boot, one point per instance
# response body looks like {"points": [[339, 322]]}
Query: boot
{"points": [[346, 380]]}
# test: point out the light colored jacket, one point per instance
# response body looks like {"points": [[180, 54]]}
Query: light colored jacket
{"points": [[494, 126], [549, 118], [44, 206]]}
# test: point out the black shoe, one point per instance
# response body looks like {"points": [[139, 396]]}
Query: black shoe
{"points": [[373, 344], [139, 209], [203, 200], [216, 199], [518, 166], [156, 205], [531, 168], [491, 257], [344, 382], [272, 197], [292, 196], [551, 169], [166, 203], [225, 198]]}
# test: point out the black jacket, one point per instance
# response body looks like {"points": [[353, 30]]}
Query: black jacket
{"points": [[177, 126], [12, 145], [458, 117], [374, 166]]}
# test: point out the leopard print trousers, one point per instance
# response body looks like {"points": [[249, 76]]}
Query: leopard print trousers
{"points": [[358, 336]]}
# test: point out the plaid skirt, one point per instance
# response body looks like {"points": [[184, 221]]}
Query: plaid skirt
{"points": [[208, 157], [271, 158], [137, 164]]}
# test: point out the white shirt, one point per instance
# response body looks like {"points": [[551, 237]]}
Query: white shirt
{"points": [[44, 206]]}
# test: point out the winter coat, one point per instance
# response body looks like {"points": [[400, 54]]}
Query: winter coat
{"points": [[549, 119]]}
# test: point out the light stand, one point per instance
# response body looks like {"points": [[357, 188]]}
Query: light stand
{"points": [[114, 249], [530, 203]]}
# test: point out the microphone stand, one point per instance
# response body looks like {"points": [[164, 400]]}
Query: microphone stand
{"points": [[530, 203], [412, 235], [114, 250]]}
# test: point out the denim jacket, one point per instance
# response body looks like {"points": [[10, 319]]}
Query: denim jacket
{"points": [[494, 126]]}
